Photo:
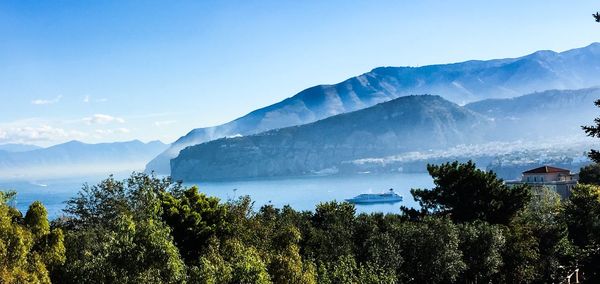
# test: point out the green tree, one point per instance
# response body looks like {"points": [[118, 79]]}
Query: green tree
{"points": [[370, 273], [268, 233], [36, 219], [286, 265], [344, 270], [212, 269], [538, 249], [323, 275], [466, 194], [132, 251], [594, 131], [239, 215], [544, 214], [520, 255], [582, 214], [48, 243], [590, 174], [97, 205], [194, 219], [375, 246], [430, 250], [28, 249], [332, 231], [481, 245], [347, 271], [231, 263], [53, 250], [115, 233], [247, 267]]}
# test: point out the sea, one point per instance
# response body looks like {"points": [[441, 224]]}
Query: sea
{"points": [[302, 193]]}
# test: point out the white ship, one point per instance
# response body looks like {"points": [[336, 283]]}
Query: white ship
{"points": [[372, 198]]}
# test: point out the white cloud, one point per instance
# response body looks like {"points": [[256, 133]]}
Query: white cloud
{"points": [[86, 99], [164, 123], [47, 102], [43, 133], [103, 119], [47, 132]]}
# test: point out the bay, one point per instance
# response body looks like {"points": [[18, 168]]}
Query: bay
{"points": [[301, 193]]}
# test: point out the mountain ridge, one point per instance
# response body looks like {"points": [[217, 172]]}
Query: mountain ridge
{"points": [[529, 116], [460, 82], [15, 147], [313, 148], [387, 131]]}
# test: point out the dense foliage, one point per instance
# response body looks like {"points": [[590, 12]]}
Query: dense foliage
{"points": [[590, 174], [29, 250], [465, 194], [471, 229]]}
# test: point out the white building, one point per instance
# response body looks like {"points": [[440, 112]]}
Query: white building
{"points": [[557, 179]]}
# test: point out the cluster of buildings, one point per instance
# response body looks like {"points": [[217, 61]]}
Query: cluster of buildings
{"points": [[557, 179]]}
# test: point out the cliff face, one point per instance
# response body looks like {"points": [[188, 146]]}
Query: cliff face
{"points": [[460, 82], [404, 124]]}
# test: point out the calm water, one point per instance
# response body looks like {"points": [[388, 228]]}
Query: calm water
{"points": [[300, 193]]}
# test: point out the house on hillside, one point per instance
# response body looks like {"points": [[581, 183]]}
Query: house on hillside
{"points": [[557, 179]]}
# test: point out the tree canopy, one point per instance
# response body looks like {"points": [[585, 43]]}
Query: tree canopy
{"points": [[465, 194], [471, 228], [29, 249]]}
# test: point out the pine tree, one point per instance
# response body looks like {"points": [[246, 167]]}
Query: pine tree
{"points": [[594, 131]]}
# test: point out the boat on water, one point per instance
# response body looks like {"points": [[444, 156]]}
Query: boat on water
{"points": [[373, 198]]}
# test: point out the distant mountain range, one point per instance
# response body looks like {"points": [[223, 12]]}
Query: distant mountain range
{"points": [[374, 115], [18, 147], [411, 123], [77, 158], [460, 82], [542, 115]]}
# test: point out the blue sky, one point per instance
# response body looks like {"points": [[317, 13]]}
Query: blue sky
{"points": [[101, 71]]}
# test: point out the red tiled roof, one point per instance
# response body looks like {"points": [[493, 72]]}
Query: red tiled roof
{"points": [[546, 170]]}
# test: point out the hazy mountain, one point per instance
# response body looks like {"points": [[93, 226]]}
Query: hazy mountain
{"points": [[77, 158], [395, 134], [460, 82], [549, 114], [18, 147], [528, 131], [404, 124]]}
